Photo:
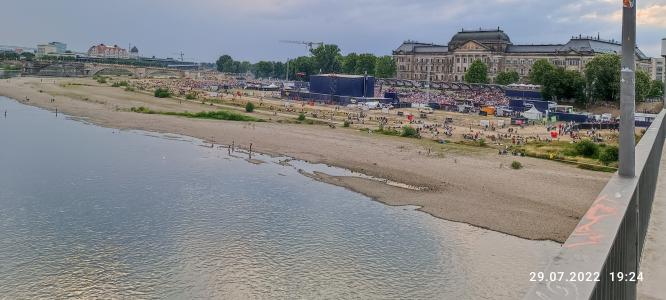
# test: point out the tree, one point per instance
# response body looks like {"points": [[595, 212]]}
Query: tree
{"points": [[279, 69], [302, 64], [602, 76], [563, 84], [656, 89], [162, 93], [477, 73], [263, 69], [366, 63], [249, 107], [539, 70], [244, 67], [642, 85], [385, 67], [327, 59], [507, 77], [349, 63], [225, 64], [27, 56], [8, 55]]}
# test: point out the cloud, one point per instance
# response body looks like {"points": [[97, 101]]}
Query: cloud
{"points": [[251, 29], [654, 15]]}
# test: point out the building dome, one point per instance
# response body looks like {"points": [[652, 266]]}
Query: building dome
{"points": [[481, 36], [134, 50]]}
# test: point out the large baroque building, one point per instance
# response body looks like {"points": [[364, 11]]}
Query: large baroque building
{"points": [[449, 63]]}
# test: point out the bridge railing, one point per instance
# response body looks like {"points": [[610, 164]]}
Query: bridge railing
{"points": [[601, 258]]}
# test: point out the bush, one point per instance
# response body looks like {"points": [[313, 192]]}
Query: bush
{"points": [[346, 124], [101, 80], [587, 148], [249, 107], [190, 96], [129, 89], [162, 93], [121, 83], [409, 132], [301, 117], [516, 165], [609, 154]]}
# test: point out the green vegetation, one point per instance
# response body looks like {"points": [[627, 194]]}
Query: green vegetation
{"points": [[409, 132], [656, 89], [11, 55], [609, 155], [477, 72], [214, 115], [101, 80], [391, 132], [600, 157], [191, 96], [346, 124], [600, 81], [385, 67], [327, 59], [249, 107], [120, 83], [539, 70], [602, 75], [507, 77], [162, 93], [642, 85], [586, 148], [129, 89], [301, 117], [324, 59], [564, 84], [516, 165]]}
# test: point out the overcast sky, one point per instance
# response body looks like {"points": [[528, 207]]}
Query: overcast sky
{"points": [[251, 29]]}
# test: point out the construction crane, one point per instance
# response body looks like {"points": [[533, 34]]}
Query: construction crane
{"points": [[310, 45], [181, 54]]}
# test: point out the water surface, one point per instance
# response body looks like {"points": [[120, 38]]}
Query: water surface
{"points": [[92, 212]]}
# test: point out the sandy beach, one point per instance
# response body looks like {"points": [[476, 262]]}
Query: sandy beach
{"points": [[542, 201]]}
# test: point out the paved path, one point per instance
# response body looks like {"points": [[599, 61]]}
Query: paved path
{"points": [[653, 264]]}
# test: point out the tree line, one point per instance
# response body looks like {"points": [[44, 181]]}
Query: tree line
{"points": [[322, 60], [599, 82]]}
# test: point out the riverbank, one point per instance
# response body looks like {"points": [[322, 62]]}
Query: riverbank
{"points": [[542, 201]]}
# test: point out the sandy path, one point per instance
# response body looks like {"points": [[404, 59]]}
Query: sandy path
{"points": [[471, 185]]}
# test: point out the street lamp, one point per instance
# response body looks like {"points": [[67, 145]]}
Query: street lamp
{"points": [[627, 161]]}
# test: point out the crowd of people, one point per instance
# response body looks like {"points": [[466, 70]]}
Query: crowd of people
{"points": [[476, 98]]}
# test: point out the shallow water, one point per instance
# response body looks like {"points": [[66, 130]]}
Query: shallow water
{"points": [[92, 212]]}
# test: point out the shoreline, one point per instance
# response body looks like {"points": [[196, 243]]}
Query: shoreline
{"points": [[544, 201]]}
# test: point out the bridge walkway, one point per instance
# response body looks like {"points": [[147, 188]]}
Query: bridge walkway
{"points": [[653, 264]]}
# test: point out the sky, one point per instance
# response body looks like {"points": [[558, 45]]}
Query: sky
{"points": [[251, 29]]}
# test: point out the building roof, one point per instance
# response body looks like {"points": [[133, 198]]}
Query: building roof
{"points": [[481, 36], [134, 50], [584, 45], [533, 48], [596, 45], [416, 47]]}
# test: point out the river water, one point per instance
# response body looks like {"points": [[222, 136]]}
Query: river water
{"points": [[93, 212]]}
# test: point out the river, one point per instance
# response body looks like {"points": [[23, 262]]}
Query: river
{"points": [[93, 212]]}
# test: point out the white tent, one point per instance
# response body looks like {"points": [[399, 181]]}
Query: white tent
{"points": [[533, 114]]}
